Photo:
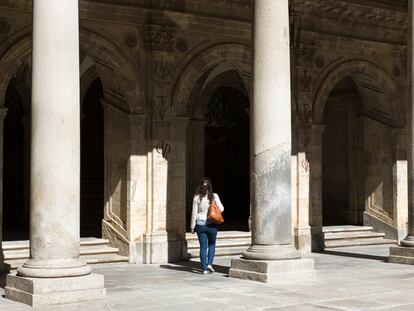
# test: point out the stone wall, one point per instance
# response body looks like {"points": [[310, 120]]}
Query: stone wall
{"points": [[155, 62]]}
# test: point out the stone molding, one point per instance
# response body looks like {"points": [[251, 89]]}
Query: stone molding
{"points": [[352, 13]]}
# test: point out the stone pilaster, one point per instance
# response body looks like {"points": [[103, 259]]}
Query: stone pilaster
{"points": [[271, 257], [54, 274], [316, 221], [3, 113], [405, 253]]}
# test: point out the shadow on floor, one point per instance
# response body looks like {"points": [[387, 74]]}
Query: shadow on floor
{"points": [[345, 253], [193, 267]]}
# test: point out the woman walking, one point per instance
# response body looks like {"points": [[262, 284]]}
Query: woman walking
{"points": [[206, 231]]}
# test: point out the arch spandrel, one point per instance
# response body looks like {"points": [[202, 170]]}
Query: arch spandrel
{"points": [[236, 54]]}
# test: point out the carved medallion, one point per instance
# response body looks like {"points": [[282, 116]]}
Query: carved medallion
{"points": [[131, 40], [182, 45], [4, 26]]}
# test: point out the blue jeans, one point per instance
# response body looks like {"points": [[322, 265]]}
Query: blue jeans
{"points": [[207, 235]]}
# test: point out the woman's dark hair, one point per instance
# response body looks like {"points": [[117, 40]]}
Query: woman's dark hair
{"points": [[205, 188]]}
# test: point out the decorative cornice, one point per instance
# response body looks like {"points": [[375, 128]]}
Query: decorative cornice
{"points": [[357, 14]]}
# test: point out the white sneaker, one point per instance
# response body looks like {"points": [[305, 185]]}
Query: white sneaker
{"points": [[210, 267], [205, 272]]}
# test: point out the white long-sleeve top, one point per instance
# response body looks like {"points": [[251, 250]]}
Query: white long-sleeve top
{"points": [[200, 208]]}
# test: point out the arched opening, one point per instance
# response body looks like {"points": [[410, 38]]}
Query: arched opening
{"points": [[219, 143], [227, 153], [358, 155], [92, 162], [16, 160]]}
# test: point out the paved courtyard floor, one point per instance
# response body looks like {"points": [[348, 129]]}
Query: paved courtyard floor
{"points": [[347, 279]]}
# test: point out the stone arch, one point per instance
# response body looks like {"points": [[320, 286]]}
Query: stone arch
{"points": [[113, 66], [236, 54], [13, 58], [349, 68]]}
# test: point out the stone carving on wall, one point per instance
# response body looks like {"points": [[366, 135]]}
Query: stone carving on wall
{"points": [[159, 38], [163, 148], [162, 107], [305, 81], [349, 13], [162, 69], [305, 56], [130, 40], [4, 26], [320, 61], [182, 45]]}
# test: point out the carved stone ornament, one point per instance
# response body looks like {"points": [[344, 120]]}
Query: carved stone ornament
{"points": [[305, 56], [182, 45], [162, 69], [130, 40], [4, 26], [159, 38], [320, 61]]}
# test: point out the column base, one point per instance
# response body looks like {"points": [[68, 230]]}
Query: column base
{"points": [[53, 268], [408, 241], [271, 252], [51, 291], [273, 271], [401, 255]]}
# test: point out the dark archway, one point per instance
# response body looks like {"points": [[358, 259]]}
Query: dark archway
{"points": [[227, 145], [358, 155], [92, 162], [15, 167]]}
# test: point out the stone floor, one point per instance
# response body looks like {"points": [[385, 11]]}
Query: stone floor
{"points": [[348, 279]]}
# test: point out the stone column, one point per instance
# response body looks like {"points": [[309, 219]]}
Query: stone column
{"points": [[3, 113], [271, 257], [405, 253], [54, 274]]}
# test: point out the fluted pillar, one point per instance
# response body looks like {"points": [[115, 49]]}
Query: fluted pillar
{"points": [[54, 266], [271, 253]]}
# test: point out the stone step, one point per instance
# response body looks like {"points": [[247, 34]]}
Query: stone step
{"points": [[222, 235], [13, 245], [345, 228], [358, 242], [92, 250], [220, 252], [229, 243], [352, 235], [84, 250], [223, 243]]}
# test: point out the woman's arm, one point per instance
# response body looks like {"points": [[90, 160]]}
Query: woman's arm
{"points": [[218, 202], [194, 214]]}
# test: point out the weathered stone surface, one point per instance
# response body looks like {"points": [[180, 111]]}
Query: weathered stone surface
{"points": [[401, 255], [273, 271], [50, 291]]}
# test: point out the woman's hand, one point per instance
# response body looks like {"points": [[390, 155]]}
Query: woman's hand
{"points": [[192, 231]]}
